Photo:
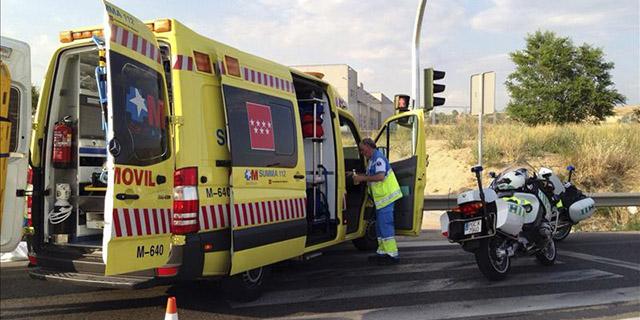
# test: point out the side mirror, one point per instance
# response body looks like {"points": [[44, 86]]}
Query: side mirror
{"points": [[492, 174], [570, 168], [476, 169]]}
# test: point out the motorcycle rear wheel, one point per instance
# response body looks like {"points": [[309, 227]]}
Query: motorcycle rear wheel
{"points": [[492, 267]]}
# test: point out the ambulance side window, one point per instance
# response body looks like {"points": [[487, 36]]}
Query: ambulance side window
{"points": [[262, 129], [397, 138], [14, 117], [349, 139]]}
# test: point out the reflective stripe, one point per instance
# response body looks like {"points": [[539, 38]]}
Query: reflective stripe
{"points": [[394, 196], [386, 191]]}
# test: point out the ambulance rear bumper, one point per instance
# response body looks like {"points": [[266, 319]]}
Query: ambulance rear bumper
{"points": [[96, 280]]}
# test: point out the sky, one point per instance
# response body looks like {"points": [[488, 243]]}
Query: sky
{"points": [[460, 37]]}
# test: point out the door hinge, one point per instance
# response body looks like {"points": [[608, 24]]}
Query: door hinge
{"points": [[176, 120]]}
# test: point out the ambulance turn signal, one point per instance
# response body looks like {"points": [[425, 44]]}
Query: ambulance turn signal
{"points": [[185, 201]]}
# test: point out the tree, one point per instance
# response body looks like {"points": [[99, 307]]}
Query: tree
{"points": [[35, 95], [557, 82]]}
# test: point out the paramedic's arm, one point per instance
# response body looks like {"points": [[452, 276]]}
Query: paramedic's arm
{"points": [[375, 178]]}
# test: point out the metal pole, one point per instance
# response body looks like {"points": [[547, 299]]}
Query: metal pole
{"points": [[480, 119], [415, 55]]}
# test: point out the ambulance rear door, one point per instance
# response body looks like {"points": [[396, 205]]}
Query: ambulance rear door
{"points": [[401, 139], [268, 200], [15, 129], [138, 203]]}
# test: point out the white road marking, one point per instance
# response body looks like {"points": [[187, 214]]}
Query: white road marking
{"points": [[425, 243], [449, 266], [603, 260], [421, 286], [489, 307]]}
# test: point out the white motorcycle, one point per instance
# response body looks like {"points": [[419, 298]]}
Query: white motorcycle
{"points": [[571, 205], [496, 224]]}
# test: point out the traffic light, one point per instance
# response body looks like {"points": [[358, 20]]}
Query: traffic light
{"points": [[401, 102], [431, 88]]}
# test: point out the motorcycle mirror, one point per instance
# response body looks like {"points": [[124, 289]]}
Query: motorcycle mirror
{"points": [[570, 168], [476, 169], [492, 174]]}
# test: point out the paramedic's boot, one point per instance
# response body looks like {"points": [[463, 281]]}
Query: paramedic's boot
{"points": [[387, 260]]}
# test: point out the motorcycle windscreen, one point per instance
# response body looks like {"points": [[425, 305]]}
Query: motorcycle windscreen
{"points": [[140, 165], [15, 131], [268, 199], [401, 139]]}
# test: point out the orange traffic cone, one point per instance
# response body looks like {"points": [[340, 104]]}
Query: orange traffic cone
{"points": [[172, 310]]}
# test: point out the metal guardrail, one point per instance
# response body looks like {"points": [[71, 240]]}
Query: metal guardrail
{"points": [[605, 199]]}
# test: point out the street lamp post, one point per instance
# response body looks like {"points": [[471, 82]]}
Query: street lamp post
{"points": [[415, 55]]}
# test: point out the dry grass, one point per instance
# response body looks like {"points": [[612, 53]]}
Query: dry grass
{"points": [[606, 157]]}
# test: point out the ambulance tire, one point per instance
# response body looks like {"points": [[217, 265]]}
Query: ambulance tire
{"points": [[246, 286], [369, 242]]}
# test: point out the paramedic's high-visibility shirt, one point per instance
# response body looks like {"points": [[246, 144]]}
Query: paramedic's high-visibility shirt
{"points": [[387, 191]]}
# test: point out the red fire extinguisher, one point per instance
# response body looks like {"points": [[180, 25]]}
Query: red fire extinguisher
{"points": [[62, 137]]}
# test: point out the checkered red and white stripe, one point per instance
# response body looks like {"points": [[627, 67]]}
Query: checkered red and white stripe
{"points": [[263, 212], [141, 222], [267, 80], [135, 42], [182, 62], [253, 213], [214, 217]]}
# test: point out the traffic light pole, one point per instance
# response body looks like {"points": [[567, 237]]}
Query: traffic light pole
{"points": [[415, 55]]}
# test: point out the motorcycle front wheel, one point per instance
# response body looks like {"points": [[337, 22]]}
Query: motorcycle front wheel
{"points": [[492, 258], [562, 233], [547, 256]]}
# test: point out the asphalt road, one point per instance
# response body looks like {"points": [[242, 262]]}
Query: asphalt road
{"points": [[597, 276]]}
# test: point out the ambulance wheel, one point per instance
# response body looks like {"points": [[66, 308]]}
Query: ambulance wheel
{"points": [[369, 241], [492, 259], [547, 256], [246, 286], [562, 233]]}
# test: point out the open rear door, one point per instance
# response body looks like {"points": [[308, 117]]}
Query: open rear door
{"points": [[401, 139], [140, 165], [268, 206], [15, 130]]}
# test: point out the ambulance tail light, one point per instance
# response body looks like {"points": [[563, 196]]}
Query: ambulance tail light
{"points": [[185, 201]]}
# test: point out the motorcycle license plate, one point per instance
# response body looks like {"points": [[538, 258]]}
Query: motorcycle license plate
{"points": [[472, 227]]}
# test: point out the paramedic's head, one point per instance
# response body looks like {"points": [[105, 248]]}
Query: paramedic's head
{"points": [[367, 146]]}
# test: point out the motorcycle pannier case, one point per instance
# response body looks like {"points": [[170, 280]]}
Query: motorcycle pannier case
{"points": [[582, 209]]}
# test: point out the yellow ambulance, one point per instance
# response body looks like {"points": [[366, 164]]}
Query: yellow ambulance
{"points": [[160, 155], [15, 127]]}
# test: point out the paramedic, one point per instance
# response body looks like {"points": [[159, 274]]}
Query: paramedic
{"points": [[384, 190]]}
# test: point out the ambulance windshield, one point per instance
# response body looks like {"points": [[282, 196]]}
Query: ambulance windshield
{"points": [[140, 120]]}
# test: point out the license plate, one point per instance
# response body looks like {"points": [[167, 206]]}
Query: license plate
{"points": [[472, 227]]}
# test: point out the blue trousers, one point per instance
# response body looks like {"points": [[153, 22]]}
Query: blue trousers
{"points": [[385, 231]]}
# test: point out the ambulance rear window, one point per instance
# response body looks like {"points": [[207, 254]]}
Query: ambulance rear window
{"points": [[139, 112]]}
